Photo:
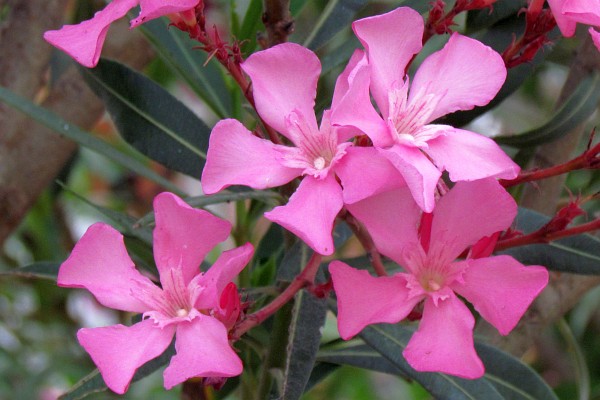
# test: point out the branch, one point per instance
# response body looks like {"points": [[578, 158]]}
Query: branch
{"points": [[278, 21]]}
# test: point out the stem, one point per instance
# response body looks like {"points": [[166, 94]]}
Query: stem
{"points": [[586, 160], [543, 237], [278, 21], [304, 279], [367, 243]]}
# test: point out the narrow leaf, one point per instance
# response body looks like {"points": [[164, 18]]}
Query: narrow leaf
{"points": [[390, 341], [94, 383], [149, 118], [308, 317], [511, 377], [486, 17], [337, 15], [176, 49], [576, 254], [42, 270], [83, 138], [361, 356], [579, 107]]}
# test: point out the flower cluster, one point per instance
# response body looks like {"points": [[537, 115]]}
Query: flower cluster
{"points": [[378, 154], [568, 13]]}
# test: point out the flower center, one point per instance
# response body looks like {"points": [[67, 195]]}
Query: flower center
{"points": [[182, 312], [319, 163]]}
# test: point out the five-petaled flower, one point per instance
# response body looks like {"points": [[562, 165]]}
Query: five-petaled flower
{"points": [[500, 288], [198, 308], [464, 74], [284, 81], [84, 41]]}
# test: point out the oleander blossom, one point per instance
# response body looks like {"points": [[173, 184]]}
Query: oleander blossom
{"points": [[568, 13], [284, 81], [462, 75], [84, 41], [427, 245], [197, 308]]}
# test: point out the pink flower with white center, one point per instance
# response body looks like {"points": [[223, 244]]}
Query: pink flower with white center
{"points": [[464, 74], [284, 81], [197, 308], [84, 41], [568, 13], [427, 245]]}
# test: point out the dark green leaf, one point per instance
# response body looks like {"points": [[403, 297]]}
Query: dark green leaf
{"points": [[486, 17], [361, 356], [579, 107], [576, 254], [94, 383], [293, 261], [43, 270], [251, 24], [176, 49], [149, 118], [511, 377], [321, 371], [308, 317], [390, 341], [338, 14], [83, 138]]}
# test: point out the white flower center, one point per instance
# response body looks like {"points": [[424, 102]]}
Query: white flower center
{"points": [[319, 163]]}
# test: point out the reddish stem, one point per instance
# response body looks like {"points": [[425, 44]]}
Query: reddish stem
{"points": [[588, 160], [541, 236], [367, 243], [304, 279]]}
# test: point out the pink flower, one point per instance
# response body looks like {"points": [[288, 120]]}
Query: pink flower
{"points": [[193, 306], [464, 74], [84, 41], [568, 13], [284, 81], [500, 288]]}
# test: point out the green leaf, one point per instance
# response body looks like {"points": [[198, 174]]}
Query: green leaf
{"points": [[83, 138], [361, 356], [149, 118], [576, 254], [320, 371], [175, 48], [250, 25], [486, 17], [42, 270], [94, 383], [511, 377], [308, 317], [221, 197], [390, 341], [338, 14], [579, 107]]}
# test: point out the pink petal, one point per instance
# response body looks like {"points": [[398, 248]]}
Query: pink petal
{"points": [[118, 350], [364, 172], [420, 174], [595, 37], [203, 350], [344, 80], [84, 41], [501, 289], [583, 11], [355, 109], [151, 9], [566, 24], [391, 218], [469, 212], [237, 157], [469, 156], [444, 340], [464, 74], [391, 41], [99, 263], [382, 299], [311, 211], [224, 270], [284, 79], [184, 235]]}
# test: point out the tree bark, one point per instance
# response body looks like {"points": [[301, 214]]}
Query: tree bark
{"points": [[32, 155]]}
